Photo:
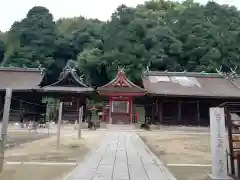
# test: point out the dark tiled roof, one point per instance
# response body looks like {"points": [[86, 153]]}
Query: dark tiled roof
{"points": [[67, 89], [191, 84], [68, 82], [20, 78]]}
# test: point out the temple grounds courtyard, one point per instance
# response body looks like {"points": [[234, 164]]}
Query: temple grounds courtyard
{"points": [[40, 159], [17, 138], [187, 154]]}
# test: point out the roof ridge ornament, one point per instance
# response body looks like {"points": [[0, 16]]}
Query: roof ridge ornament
{"points": [[219, 71], [81, 77], [146, 71], [70, 68], [41, 69], [228, 75], [122, 69], [233, 72]]}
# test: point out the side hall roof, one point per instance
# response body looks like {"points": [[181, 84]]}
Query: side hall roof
{"points": [[20, 79], [27, 79], [191, 84]]}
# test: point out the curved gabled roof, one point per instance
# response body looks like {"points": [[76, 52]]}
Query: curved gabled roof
{"points": [[68, 82], [68, 74], [121, 84]]}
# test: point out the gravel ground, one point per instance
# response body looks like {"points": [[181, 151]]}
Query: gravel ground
{"points": [[181, 149], [44, 151], [17, 138]]}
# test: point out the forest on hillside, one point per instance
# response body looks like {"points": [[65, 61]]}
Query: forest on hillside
{"points": [[160, 35]]}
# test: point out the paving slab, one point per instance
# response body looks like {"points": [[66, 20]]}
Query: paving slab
{"points": [[121, 156]]}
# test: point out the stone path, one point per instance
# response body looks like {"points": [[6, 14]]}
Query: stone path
{"points": [[121, 156]]}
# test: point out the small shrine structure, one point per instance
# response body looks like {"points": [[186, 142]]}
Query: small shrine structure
{"points": [[120, 92], [69, 88]]}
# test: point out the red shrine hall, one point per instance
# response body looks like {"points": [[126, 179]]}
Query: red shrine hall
{"points": [[120, 92]]}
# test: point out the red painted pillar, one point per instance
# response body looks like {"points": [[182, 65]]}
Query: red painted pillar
{"points": [[130, 110], [110, 111]]}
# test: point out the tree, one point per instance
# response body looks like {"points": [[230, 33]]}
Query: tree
{"points": [[35, 38], [2, 50], [161, 35]]}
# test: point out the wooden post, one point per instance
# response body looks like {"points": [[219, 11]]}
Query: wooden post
{"points": [[160, 111], [198, 113], [59, 123], [78, 104], [5, 119], [84, 112], [179, 119], [110, 112], [80, 122], [130, 110], [153, 113]]}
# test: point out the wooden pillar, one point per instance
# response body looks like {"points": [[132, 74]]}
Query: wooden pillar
{"points": [[110, 111], [160, 111], [84, 111], [198, 113], [153, 112], [20, 105], [78, 104], [130, 110], [21, 109], [156, 111], [179, 118]]}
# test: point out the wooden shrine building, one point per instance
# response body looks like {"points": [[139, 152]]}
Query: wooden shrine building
{"points": [[184, 98], [26, 102], [120, 92], [69, 88], [29, 87]]}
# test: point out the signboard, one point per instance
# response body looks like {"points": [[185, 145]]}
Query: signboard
{"points": [[217, 127]]}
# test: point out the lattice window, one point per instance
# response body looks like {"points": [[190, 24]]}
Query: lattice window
{"points": [[120, 106]]}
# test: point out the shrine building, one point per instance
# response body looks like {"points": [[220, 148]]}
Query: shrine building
{"points": [[29, 88], [184, 98], [120, 93]]}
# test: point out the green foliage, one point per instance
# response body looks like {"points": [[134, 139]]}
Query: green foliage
{"points": [[35, 38], [163, 35], [2, 45]]}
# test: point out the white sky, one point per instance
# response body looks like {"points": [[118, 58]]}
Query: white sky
{"points": [[15, 10]]}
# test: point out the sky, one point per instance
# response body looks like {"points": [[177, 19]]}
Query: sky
{"points": [[15, 10]]}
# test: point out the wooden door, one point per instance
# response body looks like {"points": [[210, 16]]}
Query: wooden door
{"points": [[120, 111]]}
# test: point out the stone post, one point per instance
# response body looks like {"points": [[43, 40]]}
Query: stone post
{"points": [[219, 160]]}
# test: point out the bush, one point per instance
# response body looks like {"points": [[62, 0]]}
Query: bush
{"points": [[145, 126]]}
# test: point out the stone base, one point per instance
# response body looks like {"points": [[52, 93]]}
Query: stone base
{"points": [[154, 127], [103, 125], [137, 125], [211, 177]]}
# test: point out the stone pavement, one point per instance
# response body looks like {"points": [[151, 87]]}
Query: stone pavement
{"points": [[121, 156]]}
